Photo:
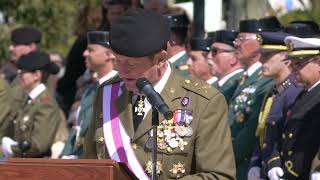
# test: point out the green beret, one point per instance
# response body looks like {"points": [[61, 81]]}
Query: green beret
{"points": [[139, 33]]}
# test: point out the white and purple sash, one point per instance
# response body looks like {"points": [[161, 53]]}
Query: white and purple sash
{"points": [[116, 138]]}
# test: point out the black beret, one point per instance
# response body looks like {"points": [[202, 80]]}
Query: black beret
{"points": [[250, 26], [139, 33], [177, 20], [25, 35], [98, 37], [226, 36], [303, 29], [270, 24], [37, 61], [201, 44]]}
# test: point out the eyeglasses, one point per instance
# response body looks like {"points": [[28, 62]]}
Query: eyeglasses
{"points": [[247, 37]]}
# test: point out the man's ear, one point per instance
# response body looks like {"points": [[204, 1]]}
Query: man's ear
{"points": [[161, 57], [38, 74]]}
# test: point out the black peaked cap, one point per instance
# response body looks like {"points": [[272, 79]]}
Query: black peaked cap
{"points": [[139, 33], [201, 44], [226, 36], [98, 37]]}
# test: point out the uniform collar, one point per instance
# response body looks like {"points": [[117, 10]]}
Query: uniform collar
{"points": [[225, 79], [253, 68], [314, 85], [107, 76], [35, 92], [176, 56], [212, 80]]}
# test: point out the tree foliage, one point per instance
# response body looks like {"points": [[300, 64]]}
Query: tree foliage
{"points": [[54, 18]]}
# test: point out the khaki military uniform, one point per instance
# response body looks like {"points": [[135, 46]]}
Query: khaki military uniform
{"points": [[7, 110], [37, 122], [208, 153]]}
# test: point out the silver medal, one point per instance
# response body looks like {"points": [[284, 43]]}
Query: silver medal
{"points": [[181, 131], [189, 131]]}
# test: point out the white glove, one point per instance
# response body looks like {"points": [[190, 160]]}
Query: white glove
{"points": [[254, 173], [275, 173], [315, 175], [70, 157], [6, 143]]}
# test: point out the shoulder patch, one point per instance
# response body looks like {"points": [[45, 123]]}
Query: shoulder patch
{"points": [[199, 87]]}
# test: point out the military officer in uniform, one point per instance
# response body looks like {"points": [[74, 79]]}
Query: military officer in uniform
{"points": [[197, 62], [7, 111], [265, 161], [225, 64], [100, 59], [178, 24], [194, 144], [245, 104], [302, 125], [36, 125]]}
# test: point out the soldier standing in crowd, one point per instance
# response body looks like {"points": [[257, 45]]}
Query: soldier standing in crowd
{"points": [[200, 147], [178, 24], [197, 62], [302, 125], [265, 161], [23, 41], [37, 122], [7, 110], [225, 64], [245, 104], [99, 59]]}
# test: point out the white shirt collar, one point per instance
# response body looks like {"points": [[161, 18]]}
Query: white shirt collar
{"points": [[157, 87], [176, 56], [253, 68], [314, 85], [212, 80], [228, 76], [35, 92], [108, 76]]}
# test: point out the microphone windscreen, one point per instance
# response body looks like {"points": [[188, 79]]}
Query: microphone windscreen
{"points": [[141, 82]]}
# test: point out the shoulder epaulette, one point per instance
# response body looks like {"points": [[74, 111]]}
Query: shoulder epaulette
{"points": [[199, 87]]}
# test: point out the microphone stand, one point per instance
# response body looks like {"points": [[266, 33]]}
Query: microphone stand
{"points": [[155, 123]]}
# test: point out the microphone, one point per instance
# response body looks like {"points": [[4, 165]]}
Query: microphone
{"points": [[154, 98]]}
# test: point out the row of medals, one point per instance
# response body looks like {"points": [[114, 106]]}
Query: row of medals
{"points": [[170, 136]]}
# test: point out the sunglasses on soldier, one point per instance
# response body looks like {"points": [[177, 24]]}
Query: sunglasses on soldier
{"points": [[215, 50]]}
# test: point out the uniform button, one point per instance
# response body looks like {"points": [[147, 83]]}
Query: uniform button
{"points": [[290, 153], [281, 153], [264, 145], [263, 162], [290, 135], [134, 146], [283, 136], [273, 123], [101, 139]]}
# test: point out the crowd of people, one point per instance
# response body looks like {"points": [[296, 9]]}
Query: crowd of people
{"points": [[245, 102]]}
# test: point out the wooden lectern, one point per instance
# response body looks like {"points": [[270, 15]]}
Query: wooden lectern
{"points": [[63, 169]]}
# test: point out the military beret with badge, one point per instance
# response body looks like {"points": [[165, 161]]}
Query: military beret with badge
{"points": [[25, 35], [201, 44], [130, 37], [177, 20], [37, 61]]}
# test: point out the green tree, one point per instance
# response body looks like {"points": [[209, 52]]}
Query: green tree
{"points": [[54, 18]]}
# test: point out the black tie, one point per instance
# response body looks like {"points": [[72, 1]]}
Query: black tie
{"points": [[138, 111]]}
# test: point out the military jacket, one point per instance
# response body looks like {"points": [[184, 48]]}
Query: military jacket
{"points": [[243, 115], [229, 87], [74, 144], [37, 123], [7, 110], [181, 65], [207, 153], [298, 145], [266, 154]]}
